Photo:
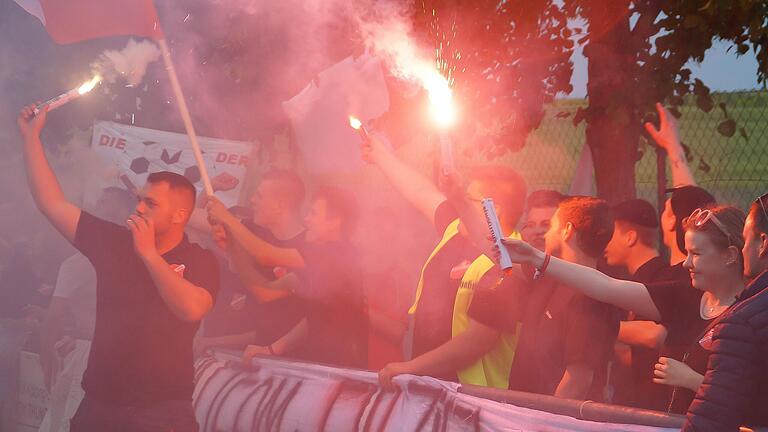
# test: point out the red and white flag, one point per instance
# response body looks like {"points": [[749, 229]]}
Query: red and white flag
{"points": [[70, 21]]}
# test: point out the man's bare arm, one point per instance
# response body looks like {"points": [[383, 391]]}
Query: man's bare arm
{"points": [[668, 138], [257, 285], [45, 188], [265, 253]]}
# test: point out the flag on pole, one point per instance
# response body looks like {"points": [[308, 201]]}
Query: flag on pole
{"points": [[70, 21]]}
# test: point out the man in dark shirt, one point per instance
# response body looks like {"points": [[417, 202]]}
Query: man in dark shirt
{"points": [[153, 288], [250, 312], [633, 247], [324, 273], [567, 339]]}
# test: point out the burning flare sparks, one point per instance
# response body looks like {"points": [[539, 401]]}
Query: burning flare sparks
{"points": [[69, 96], [440, 98], [357, 125], [89, 85]]}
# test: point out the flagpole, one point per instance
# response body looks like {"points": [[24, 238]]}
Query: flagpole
{"points": [[185, 115]]}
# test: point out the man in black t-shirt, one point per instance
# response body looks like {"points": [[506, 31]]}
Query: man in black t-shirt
{"points": [[567, 339], [153, 288], [324, 273], [633, 247], [251, 312]]}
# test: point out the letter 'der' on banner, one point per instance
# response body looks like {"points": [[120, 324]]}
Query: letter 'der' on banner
{"points": [[131, 153]]}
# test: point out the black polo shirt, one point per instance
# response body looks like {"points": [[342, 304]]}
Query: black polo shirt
{"points": [[141, 352], [560, 327], [434, 315]]}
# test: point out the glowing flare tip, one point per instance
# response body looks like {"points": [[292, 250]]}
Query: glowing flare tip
{"points": [[89, 85], [355, 122]]}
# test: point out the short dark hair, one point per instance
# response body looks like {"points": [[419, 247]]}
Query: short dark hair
{"points": [[340, 203], [545, 198], [758, 210], [508, 188], [175, 182], [291, 186], [645, 235], [593, 221]]}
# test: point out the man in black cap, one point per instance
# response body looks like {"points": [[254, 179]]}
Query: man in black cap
{"points": [[634, 247]]}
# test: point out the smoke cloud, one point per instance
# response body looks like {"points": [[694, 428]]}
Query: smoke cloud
{"points": [[130, 63]]}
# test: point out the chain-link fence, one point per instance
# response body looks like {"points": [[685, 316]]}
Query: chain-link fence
{"points": [[727, 148]]}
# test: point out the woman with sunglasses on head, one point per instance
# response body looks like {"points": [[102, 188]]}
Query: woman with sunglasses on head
{"points": [[714, 241]]}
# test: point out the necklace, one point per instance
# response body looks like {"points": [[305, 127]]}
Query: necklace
{"points": [[708, 312]]}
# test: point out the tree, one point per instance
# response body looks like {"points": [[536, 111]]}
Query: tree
{"points": [[518, 53]]}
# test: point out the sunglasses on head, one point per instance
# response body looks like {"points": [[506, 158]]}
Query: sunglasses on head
{"points": [[701, 216]]}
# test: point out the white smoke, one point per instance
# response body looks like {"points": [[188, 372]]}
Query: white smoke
{"points": [[130, 63]]}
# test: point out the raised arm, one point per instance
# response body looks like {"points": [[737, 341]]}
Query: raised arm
{"points": [[623, 294], [667, 136], [265, 253], [411, 184], [45, 188]]}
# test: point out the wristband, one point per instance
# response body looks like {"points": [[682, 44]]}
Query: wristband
{"points": [[271, 351], [540, 270]]}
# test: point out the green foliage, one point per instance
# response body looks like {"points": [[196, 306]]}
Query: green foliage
{"points": [[515, 55]]}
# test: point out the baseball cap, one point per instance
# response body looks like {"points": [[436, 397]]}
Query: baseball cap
{"points": [[638, 212]]}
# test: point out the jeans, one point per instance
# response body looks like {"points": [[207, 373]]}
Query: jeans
{"points": [[165, 416]]}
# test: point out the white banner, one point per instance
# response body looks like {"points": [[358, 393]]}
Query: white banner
{"points": [[131, 153], [278, 395]]}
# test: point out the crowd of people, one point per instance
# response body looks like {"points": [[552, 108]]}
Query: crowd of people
{"points": [[594, 308]]}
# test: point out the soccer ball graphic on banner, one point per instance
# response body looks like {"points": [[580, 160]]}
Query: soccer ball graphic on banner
{"points": [[129, 154]]}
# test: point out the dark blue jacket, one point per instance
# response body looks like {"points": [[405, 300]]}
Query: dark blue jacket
{"points": [[735, 388]]}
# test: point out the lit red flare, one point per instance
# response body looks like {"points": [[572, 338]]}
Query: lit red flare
{"points": [[69, 96], [357, 125]]}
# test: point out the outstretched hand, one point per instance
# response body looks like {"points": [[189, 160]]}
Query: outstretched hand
{"points": [[667, 136], [30, 124]]}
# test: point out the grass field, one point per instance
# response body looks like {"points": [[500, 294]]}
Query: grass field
{"points": [[738, 167]]}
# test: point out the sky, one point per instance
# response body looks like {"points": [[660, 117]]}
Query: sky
{"points": [[720, 70]]}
